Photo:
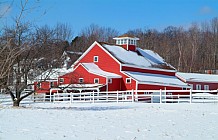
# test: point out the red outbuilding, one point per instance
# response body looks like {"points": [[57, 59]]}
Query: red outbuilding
{"points": [[199, 81]]}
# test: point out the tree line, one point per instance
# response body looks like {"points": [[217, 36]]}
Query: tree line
{"points": [[27, 50], [192, 49]]}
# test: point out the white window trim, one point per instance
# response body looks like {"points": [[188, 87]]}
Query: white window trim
{"points": [[39, 85], [198, 87], [61, 80], [110, 81], [95, 58], [97, 80], [129, 80], [81, 81], [50, 84], [206, 87]]}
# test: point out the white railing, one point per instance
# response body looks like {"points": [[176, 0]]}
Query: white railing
{"points": [[151, 96]]}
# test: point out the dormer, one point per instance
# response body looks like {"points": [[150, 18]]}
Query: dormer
{"points": [[127, 42]]}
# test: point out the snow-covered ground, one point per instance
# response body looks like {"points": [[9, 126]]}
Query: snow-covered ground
{"points": [[109, 121]]}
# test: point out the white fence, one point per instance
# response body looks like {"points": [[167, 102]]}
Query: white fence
{"points": [[147, 96]]}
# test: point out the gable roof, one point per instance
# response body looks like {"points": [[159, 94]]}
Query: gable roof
{"points": [[94, 69], [95, 43], [52, 74], [197, 77], [156, 79], [140, 58]]}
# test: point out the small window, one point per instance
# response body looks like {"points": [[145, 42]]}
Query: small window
{"points": [[61, 80], [39, 85], [146, 93], [198, 87], [95, 58], [118, 42], [125, 41], [81, 80], [131, 42], [206, 87], [128, 80], [96, 80], [121, 42], [128, 41], [52, 84], [109, 81]]}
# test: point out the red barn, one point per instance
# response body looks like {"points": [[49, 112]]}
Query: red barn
{"points": [[122, 66], [199, 81]]}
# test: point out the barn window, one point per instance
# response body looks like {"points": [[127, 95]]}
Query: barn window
{"points": [[61, 80], [52, 84], [121, 42], [131, 42], [95, 58], [81, 80], [118, 42], [96, 80], [128, 80], [125, 41], [206, 87], [198, 87], [110, 81], [39, 85]]}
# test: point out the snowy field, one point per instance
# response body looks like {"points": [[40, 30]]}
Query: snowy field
{"points": [[109, 121]]}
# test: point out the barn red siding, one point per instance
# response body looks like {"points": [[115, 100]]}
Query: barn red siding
{"points": [[105, 61], [130, 47], [212, 86], [81, 72], [45, 86], [127, 68], [115, 85], [156, 87]]}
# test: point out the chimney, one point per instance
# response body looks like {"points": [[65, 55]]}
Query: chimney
{"points": [[127, 42]]}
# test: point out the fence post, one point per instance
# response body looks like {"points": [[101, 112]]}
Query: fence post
{"points": [[160, 96], [50, 95], [44, 97], [70, 97], [93, 97], [118, 97], [178, 98], [190, 96], [54, 97], [132, 95]]}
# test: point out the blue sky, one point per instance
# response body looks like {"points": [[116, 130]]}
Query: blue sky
{"points": [[121, 15]]}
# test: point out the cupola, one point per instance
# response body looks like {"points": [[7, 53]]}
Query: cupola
{"points": [[128, 42]]}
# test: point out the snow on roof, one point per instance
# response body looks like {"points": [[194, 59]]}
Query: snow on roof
{"points": [[144, 58], [152, 56], [156, 79], [128, 57], [197, 77], [53, 74], [93, 68]]}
